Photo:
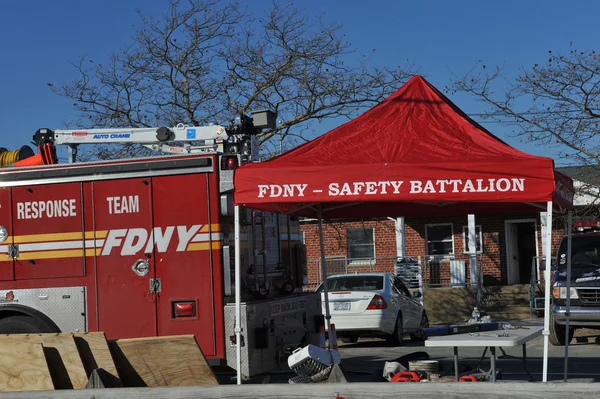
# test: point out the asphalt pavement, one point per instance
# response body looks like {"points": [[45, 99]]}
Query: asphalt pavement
{"points": [[363, 361]]}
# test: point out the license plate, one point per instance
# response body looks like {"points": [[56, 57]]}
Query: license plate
{"points": [[341, 306]]}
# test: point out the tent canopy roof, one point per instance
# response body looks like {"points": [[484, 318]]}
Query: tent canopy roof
{"points": [[415, 153]]}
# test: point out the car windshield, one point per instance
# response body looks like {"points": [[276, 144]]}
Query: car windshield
{"points": [[585, 252], [354, 283]]}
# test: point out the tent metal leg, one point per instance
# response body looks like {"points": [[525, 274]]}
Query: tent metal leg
{"points": [[493, 362], [547, 283], [324, 273], [567, 314], [473, 258], [238, 305], [456, 363]]}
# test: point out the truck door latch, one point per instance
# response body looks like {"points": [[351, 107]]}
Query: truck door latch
{"points": [[155, 285], [13, 251]]}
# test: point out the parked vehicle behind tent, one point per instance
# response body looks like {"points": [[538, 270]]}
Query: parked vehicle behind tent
{"points": [[374, 305]]}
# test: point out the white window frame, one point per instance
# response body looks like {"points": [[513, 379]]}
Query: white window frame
{"points": [[363, 261], [427, 226], [465, 247]]}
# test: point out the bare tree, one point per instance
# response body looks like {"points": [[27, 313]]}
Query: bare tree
{"points": [[205, 61], [557, 103]]}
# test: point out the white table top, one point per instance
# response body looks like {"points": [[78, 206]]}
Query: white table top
{"points": [[515, 337]]}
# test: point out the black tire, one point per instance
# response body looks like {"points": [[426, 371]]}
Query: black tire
{"points": [[20, 324], [420, 335], [349, 340], [557, 333], [397, 338]]}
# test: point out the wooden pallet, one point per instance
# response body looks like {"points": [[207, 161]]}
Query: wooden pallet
{"points": [[31, 362]]}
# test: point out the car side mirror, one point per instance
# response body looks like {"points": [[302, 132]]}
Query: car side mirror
{"points": [[417, 294]]}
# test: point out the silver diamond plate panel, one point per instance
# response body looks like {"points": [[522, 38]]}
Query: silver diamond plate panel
{"points": [[225, 180], [280, 323], [65, 306]]}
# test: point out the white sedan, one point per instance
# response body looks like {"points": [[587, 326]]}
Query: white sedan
{"points": [[374, 305]]}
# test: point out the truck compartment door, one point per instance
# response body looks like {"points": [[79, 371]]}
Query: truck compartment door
{"points": [[7, 264], [48, 231], [188, 258], [127, 288]]}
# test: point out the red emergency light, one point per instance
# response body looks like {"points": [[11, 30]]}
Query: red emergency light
{"points": [[229, 162]]}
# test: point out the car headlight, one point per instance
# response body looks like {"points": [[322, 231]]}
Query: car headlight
{"points": [[563, 293]]}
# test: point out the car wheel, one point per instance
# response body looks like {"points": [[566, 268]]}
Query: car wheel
{"points": [[397, 337], [420, 335], [349, 340], [557, 333]]}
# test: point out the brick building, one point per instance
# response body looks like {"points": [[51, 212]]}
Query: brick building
{"points": [[507, 245], [438, 244]]}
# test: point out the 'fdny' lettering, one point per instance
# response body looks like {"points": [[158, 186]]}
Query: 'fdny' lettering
{"points": [[46, 209], [124, 204], [133, 241]]}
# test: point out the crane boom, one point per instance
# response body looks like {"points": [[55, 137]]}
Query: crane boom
{"points": [[150, 135], [205, 139]]}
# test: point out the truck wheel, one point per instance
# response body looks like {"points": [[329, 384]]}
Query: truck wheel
{"points": [[557, 333], [23, 325]]}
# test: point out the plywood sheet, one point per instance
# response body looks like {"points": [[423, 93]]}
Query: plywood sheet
{"points": [[162, 361], [61, 355], [23, 367], [95, 353]]}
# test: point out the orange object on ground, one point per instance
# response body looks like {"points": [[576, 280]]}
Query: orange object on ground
{"points": [[406, 376]]}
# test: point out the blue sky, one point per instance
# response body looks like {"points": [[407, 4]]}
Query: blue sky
{"points": [[39, 39]]}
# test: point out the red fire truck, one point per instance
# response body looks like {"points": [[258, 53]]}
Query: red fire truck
{"points": [[144, 247]]}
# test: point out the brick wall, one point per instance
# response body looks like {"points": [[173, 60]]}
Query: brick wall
{"points": [[336, 245], [494, 244]]}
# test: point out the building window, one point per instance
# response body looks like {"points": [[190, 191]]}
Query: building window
{"points": [[478, 239], [361, 243], [439, 239]]}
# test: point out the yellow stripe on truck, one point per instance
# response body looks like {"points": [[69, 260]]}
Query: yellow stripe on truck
{"points": [[57, 237], [213, 227], [204, 246], [69, 253]]}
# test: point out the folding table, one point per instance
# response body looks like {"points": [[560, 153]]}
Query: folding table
{"points": [[488, 339]]}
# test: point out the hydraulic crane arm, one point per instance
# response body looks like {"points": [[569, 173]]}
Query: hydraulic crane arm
{"points": [[151, 135], [205, 139]]}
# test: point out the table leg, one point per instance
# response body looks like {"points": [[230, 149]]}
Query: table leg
{"points": [[531, 379], [456, 363], [493, 362]]}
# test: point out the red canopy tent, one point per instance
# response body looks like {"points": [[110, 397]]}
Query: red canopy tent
{"points": [[413, 154]]}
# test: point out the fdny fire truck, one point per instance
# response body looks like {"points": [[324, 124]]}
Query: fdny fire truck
{"points": [[144, 246]]}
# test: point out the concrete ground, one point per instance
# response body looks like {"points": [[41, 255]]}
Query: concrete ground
{"points": [[363, 360]]}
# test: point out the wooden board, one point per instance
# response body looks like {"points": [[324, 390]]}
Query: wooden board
{"points": [[95, 353], [162, 362], [62, 357], [23, 367]]}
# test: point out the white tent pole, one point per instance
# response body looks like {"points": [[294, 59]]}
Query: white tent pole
{"points": [[473, 257], [238, 294], [324, 274], [568, 314], [547, 283], [400, 240]]}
